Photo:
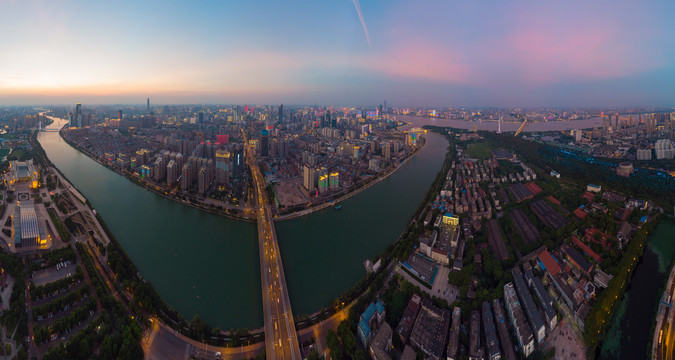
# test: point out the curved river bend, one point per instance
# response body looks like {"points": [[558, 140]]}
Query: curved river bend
{"points": [[205, 264]]}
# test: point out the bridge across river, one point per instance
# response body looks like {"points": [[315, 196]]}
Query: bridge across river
{"points": [[281, 339]]}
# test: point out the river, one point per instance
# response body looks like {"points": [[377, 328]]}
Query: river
{"points": [[506, 127], [205, 264], [630, 333]]}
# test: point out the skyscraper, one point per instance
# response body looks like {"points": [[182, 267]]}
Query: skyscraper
{"points": [[78, 115], [308, 178], [148, 108], [281, 113], [264, 143], [386, 151]]}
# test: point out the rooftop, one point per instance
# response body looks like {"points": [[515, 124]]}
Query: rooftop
{"points": [[431, 329]]}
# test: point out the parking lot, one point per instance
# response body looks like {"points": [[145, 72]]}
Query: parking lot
{"points": [[7, 292], [442, 289], [45, 276], [567, 343]]}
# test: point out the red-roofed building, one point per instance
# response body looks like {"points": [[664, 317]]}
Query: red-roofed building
{"points": [[622, 214], [587, 250], [590, 236], [580, 213], [588, 196], [549, 263], [554, 200], [533, 187]]}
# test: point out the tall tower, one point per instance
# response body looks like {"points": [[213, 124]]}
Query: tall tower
{"points": [[78, 115], [281, 113], [148, 106]]}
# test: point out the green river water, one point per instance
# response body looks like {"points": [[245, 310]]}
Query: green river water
{"points": [[205, 264]]}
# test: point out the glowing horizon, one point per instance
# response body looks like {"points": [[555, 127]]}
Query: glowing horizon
{"points": [[435, 53]]}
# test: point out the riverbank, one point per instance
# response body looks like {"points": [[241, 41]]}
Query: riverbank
{"points": [[598, 320], [354, 192], [664, 316], [147, 186], [146, 299], [158, 234]]}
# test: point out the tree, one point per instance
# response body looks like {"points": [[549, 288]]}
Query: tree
{"points": [[334, 345], [313, 355]]}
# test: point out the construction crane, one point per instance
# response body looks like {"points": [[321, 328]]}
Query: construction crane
{"points": [[522, 126]]}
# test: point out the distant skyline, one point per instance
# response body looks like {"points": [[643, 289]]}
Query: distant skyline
{"points": [[433, 53]]}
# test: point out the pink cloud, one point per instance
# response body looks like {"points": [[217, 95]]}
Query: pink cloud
{"points": [[418, 59], [520, 44], [542, 55]]}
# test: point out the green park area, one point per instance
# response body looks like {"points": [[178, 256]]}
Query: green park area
{"points": [[3, 153], [481, 150]]}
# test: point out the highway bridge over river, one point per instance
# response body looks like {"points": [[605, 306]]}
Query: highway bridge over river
{"points": [[281, 339]]}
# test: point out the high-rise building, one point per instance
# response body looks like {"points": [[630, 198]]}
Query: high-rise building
{"points": [[386, 151], [159, 169], [78, 115], [578, 135], [323, 184], [282, 152], [281, 113], [308, 178], [644, 154], [264, 143], [171, 172], [334, 182], [223, 165], [203, 180], [146, 171], [664, 149], [186, 176], [148, 105]]}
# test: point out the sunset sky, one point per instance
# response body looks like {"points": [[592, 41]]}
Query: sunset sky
{"points": [[427, 53]]}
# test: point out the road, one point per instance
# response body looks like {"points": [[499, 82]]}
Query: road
{"points": [[664, 334], [281, 339]]}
